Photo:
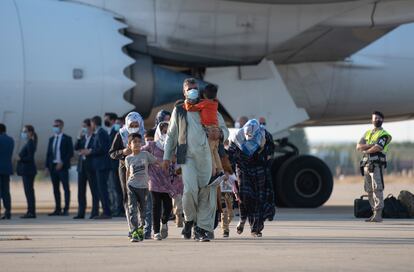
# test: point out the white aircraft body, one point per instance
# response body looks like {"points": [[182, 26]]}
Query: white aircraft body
{"points": [[297, 63]]}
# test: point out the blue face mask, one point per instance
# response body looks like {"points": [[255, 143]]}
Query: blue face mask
{"points": [[24, 136], [192, 94], [56, 130], [85, 131], [117, 127]]}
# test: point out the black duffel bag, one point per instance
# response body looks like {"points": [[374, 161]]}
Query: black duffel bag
{"points": [[393, 208], [362, 209]]}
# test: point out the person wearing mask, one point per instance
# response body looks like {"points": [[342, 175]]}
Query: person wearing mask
{"points": [[59, 154], [6, 169], [262, 121], [114, 184], [86, 173], [160, 185], [120, 150], [241, 121], [251, 149], [187, 139], [162, 116], [374, 145], [100, 163], [26, 168]]}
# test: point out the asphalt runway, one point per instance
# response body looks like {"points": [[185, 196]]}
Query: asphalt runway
{"points": [[324, 239]]}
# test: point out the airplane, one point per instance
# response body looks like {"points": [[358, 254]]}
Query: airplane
{"points": [[296, 63]]}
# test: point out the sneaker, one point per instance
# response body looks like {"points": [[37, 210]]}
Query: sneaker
{"points": [[216, 179], [164, 231], [240, 227], [140, 233], [135, 236], [203, 236], [226, 234], [157, 237], [197, 233], [186, 232]]}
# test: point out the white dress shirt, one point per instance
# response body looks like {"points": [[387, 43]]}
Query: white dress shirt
{"points": [[58, 138]]}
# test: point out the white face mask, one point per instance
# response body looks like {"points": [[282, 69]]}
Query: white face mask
{"points": [[237, 125], [133, 130]]}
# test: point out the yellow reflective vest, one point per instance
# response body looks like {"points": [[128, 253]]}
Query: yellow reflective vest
{"points": [[371, 137]]}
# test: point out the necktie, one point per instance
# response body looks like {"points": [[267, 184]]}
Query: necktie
{"points": [[55, 147]]}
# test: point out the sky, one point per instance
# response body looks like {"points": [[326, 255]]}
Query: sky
{"points": [[400, 132]]}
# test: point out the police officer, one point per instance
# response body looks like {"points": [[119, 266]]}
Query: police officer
{"points": [[374, 145]]}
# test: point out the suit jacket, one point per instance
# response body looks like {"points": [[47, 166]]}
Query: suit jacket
{"points": [[66, 152], [6, 153], [26, 165], [100, 149], [87, 163]]}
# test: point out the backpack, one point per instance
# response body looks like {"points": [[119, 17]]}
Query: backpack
{"points": [[407, 200], [393, 208]]}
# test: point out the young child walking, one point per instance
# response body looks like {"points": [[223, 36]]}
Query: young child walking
{"points": [[208, 107], [160, 185], [137, 182]]}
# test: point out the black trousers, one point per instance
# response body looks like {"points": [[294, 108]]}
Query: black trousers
{"points": [[102, 184], [87, 176], [28, 185], [61, 176], [160, 201], [5, 193], [118, 198]]}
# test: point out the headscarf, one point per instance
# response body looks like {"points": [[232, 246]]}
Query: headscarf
{"points": [[160, 117], [257, 140], [160, 138], [130, 118]]}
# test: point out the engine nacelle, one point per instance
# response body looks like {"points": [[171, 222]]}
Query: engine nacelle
{"points": [[59, 60]]}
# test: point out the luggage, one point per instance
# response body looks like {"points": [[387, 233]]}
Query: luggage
{"points": [[362, 209], [407, 200], [393, 208]]}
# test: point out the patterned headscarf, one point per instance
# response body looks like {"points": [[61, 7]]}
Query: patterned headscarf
{"points": [[160, 138], [160, 117], [130, 118], [255, 137]]}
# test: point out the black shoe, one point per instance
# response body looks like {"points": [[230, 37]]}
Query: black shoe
{"points": [[92, 216], [55, 213], [65, 213], [226, 234], [102, 217], [186, 232], [203, 236], [79, 217], [197, 233], [6, 216], [28, 216]]}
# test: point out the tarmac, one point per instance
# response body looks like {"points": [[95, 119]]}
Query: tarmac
{"points": [[328, 238]]}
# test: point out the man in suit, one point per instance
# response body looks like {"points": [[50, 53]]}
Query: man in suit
{"points": [[59, 154], [6, 169], [86, 173], [101, 164], [114, 183]]}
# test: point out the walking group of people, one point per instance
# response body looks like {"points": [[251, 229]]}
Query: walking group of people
{"points": [[186, 165]]}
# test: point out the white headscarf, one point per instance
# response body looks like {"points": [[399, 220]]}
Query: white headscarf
{"points": [[125, 130], [160, 138]]}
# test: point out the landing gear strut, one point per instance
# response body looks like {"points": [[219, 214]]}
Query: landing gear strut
{"points": [[299, 181]]}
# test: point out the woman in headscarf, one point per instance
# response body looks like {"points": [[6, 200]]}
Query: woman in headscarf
{"points": [[251, 150], [162, 116], [160, 183], [119, 149]]}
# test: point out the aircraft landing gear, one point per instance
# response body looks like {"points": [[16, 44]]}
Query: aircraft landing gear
{"points": [[300, 181]]}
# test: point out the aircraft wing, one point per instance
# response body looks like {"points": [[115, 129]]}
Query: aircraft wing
{"points": [[325, 43]]}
